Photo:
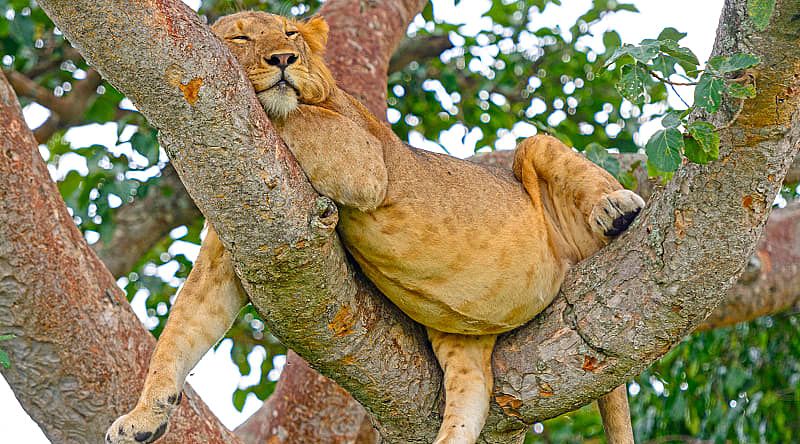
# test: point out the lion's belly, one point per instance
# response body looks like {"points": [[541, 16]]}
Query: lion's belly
{"points": [[486, 271]]}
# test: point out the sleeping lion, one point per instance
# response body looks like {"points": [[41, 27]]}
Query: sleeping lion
{"points": [[466, 251]]}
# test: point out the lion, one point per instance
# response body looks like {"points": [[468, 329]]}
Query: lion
{"points": [[467, 251]]}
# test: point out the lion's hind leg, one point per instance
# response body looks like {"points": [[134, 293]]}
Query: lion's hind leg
{"points": [[589, 207], [467, 365], [578, 188]]}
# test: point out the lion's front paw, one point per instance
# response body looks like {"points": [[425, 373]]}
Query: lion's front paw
{"points": [[142, 425], [615, 211]]}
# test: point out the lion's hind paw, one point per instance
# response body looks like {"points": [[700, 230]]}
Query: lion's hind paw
{"points": [[615, 212]]}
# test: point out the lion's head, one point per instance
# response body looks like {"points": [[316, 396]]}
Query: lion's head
{"points": [[282, 57]]}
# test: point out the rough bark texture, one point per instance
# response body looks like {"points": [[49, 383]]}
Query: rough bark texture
{"points": [[306, 407], [66, 310], [619, 311], [364, 35], [771, 281]]}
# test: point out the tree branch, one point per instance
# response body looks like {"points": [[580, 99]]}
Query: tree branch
{"points": [[366, 34], [283, 420], [26, 87], [771, 281], [620, 309], [66, 111], [418, 49], [80, 354]]}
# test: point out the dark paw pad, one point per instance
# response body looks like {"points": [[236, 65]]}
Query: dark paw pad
{"points": [[149, 437], [622, 223], [175, 399], [142, 436]]}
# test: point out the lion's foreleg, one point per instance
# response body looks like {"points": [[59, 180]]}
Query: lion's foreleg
{"points": [[342, 160], [467, 365], [204, 309]]}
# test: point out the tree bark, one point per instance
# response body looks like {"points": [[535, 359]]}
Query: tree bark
{"points": [[618, 311], [771, 281], [305, 407], [66, 310]]}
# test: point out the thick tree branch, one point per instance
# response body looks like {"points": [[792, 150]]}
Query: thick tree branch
{"points": [[366, 34], [80, 354], [619, 311], [325, 414]]}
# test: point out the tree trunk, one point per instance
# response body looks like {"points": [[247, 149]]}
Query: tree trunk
{"points": [[80, 354]]}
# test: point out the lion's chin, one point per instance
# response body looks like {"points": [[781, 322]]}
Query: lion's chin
{"points": [[278, 102]]}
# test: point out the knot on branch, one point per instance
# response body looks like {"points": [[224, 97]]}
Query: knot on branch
{"points": [[324, 217]]}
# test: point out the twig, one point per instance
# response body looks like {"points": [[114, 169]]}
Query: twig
{"points": [[672, 87], [670, 82]]}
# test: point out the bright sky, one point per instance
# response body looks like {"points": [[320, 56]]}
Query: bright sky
{"points": [[215, 377]]}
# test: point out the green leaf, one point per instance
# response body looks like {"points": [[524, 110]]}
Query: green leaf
{"points": [[664, 149], [632, 83], [684, 56], [740, 91], [646, 51], [760, 12], [708, 92], [5, 361], [239, 398], [611, 40], [671, 34], [736, 62], [599, 155], [21, 29], [703, 146], [7, 337], [672, 119], [665, 64], [145, 143], [626, 7], [643, 53]]}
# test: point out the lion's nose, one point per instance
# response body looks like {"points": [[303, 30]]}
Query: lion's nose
{"points": [[281, 60]]}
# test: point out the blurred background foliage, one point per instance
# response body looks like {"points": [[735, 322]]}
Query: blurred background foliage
{"points": [[450, 85]]}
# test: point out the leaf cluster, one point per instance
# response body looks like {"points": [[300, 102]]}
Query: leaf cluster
{"points": [[656, 61]]}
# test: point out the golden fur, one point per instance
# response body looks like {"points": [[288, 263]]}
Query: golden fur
{"points": [[463, 249]]}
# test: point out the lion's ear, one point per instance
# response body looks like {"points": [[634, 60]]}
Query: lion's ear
{"points": [[315, 33]]}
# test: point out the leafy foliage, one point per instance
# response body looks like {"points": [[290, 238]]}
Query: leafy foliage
{"points": [[734, 384], [474, 89], [658, 60]]}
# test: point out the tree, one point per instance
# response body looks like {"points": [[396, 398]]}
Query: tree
{"points": [[672, 223]]}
